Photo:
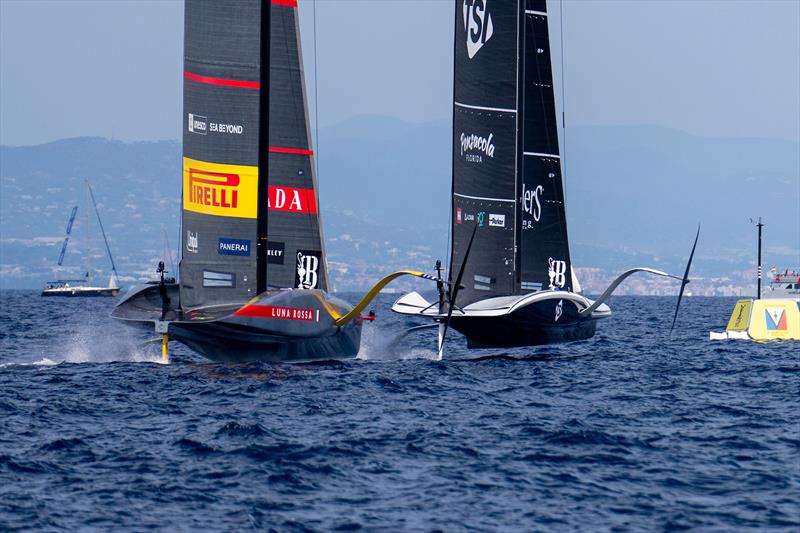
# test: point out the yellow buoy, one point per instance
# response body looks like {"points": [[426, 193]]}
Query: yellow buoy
{"points": [[773, 319], [741, 316]]}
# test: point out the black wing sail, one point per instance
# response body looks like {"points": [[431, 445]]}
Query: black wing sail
{"points": [[506, 162], [221, 102], [485, 146], [247, 172], [295, 249], [544, 261]]}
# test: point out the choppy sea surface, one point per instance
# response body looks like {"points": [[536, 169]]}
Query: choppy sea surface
{"points": [[631, 430]]}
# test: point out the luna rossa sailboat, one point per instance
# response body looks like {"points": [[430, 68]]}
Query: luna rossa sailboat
{"points": [[511, 281], [253, 276]]}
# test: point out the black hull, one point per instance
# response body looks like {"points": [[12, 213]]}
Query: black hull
{"points": [[93, 293], [227, 334], [531, 325], [225, 342]]}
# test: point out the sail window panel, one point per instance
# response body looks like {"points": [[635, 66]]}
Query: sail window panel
{"points": [[223, 37], [201, 253], [288, 126], [484, 153], [284, 48], [291, 170], [288, 115], [544, 249], [220, 124], [540, 125], [486, 53], [490, 266]]}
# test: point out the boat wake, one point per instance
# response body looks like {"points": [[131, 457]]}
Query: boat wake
{"points": [[92, 346], [42, 362], [384, 344]]}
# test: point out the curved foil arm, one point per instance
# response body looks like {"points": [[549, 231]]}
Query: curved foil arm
{"points": [[373, 292], [614, 284]]}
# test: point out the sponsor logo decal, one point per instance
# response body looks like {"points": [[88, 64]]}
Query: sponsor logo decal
{"points": [[497, 221], [477, 23], [191, 241], [198, 124], [307, 276], [530, 286], [292, 200], [531, 205], [559, 309], [218, 279], [469, 217], [776, 318], [222, 190], [557, 271], [458, 215], [280, 313], [474, 147], [275, 252], [219, 127], [238, 247], [481, 218]]}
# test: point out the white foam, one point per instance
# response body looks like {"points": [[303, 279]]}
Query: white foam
{"points": [[42, 362], [381, 344]]}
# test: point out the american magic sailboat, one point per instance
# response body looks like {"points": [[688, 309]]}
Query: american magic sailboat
{"points": [[83, 287], [253, 274], [511, 281]]}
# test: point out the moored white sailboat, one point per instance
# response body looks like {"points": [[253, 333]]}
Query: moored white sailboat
{"points": [[83, 287]]}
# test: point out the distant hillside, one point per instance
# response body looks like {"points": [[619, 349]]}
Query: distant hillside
{"points": [[634, 197]]}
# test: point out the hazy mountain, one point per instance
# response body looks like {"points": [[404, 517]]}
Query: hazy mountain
{"points": [[634, 197]]}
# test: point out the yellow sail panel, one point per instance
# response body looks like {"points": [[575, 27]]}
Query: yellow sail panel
{"points": [[221, 190], [740, 318], [775, 319]]}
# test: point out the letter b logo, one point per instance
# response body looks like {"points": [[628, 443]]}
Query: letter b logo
{"points": [[557, 272], [307, 275]]}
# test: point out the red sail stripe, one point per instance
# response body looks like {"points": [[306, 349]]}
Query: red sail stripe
{"points": [[222, 81], [283, 150], [287, 3]]}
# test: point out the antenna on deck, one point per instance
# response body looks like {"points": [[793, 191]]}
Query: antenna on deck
{"points": [[760, 225]]}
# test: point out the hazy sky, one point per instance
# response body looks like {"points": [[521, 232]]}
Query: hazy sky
{"points": [[710, 67]]}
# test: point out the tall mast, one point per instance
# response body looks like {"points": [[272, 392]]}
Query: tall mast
{"points": [[87, 252], [263, 153], [103, 231], [759, 225]]}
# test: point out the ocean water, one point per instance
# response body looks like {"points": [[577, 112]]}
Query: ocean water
{"points": [[630, 431]]}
